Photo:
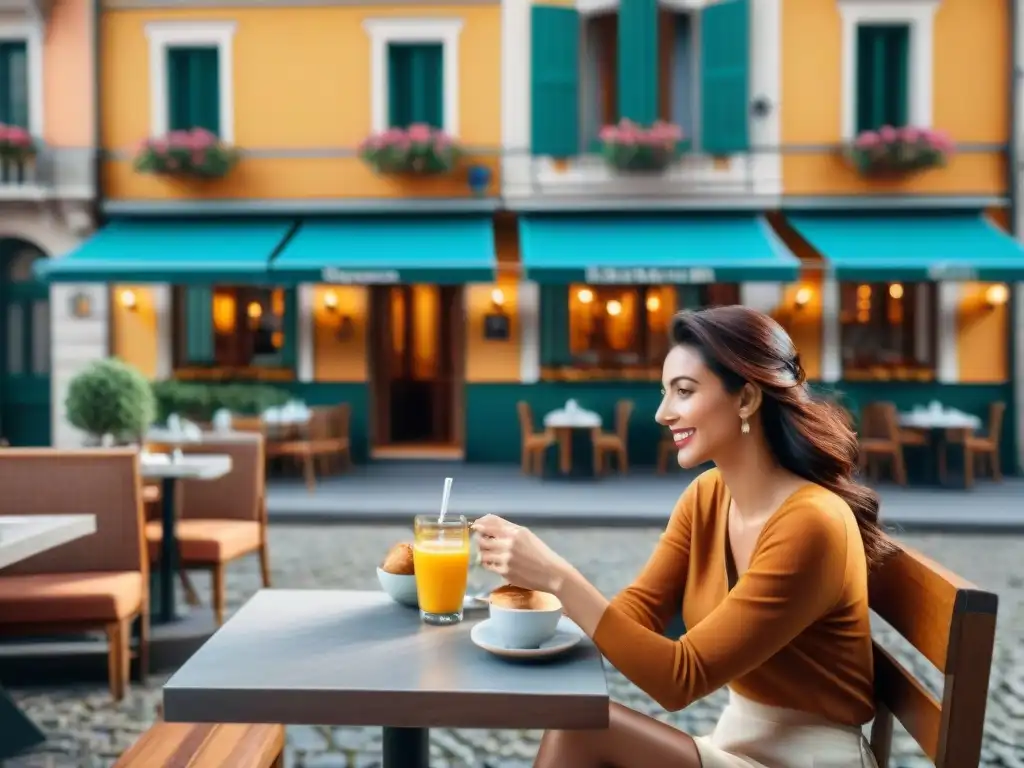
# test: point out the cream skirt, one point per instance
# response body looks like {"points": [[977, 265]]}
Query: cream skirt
{"points": [[752, 735]]}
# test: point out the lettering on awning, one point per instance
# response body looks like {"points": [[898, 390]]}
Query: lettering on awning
{"points": [[359, 276], [946, 271], [648, 276]]}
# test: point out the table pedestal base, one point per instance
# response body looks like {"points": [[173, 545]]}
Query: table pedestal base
{"points": [[17, 731], [406, 748]]}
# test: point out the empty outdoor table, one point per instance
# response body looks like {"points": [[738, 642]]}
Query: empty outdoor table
{"points": [[319, 657], [21, 537], [562, 422], [936, 420], [170, 470]]}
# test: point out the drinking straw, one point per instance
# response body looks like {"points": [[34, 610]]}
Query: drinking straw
{"points": [[444, 498]]}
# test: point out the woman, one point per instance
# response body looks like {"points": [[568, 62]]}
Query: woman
{"points": [[767, 554]]}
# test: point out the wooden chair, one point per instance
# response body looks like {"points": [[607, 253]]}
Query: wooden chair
{"points": [[99, 582], [608, 444], [666, 450], [221, 520], [206, 745], [952, 623], [883, 440], [980, 451], [326, 441], [534, 444]]}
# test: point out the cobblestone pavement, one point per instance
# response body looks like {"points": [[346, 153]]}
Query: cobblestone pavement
{"points": [[86, 730]]}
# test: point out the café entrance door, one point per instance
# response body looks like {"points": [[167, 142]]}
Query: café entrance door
{"points": [[417, 349]]}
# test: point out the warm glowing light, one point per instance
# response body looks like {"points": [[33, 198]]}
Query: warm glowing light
{"points": [[653, 303], [863, 291], [997, 294], [128, 299], [896, 291], [585, 295], [254, 310], [331, 301], [613, 308], [498, 297], [803, 296]]}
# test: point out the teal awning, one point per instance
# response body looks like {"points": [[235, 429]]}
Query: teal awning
{"points": [[653, 249], [191, 252], [387, 249], [913, 247]]}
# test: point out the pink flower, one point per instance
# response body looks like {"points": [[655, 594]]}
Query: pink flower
{"points": [[910, 135], [419, 133], [888, 134], [202, 138], [18, 137], [867, 140]]}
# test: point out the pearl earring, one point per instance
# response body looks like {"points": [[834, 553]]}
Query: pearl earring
{"points": [[745, 426]]}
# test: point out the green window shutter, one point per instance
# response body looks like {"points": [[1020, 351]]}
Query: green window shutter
{"points": [[882, 74], [688, 296], [725, 77], [199, 342], [415, 84], [555, 81], [638, 61], [554, 325], [14, 84], [290, 328], [193, 89]]}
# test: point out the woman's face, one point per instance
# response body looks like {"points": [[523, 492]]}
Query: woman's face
{"points": [[703, 417]]}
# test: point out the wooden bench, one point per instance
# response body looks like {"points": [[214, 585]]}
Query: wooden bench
{"points": [[206, 745], [952, 623]]}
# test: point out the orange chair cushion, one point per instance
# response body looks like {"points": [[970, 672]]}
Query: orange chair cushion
{"points": [[207, 541], [69, 597]]}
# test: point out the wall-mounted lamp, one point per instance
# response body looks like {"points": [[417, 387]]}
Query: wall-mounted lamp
{"points": [[585, 295], [497, 299], [896, 291], [497, 325], [331, 301], [613, 308], [128, 300], [344, 327], [997, 295], [80, 306], [653, 304], [803, 297]]}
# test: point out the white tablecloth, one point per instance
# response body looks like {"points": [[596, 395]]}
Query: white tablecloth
{"points": [[577, 419], [945, 419]]}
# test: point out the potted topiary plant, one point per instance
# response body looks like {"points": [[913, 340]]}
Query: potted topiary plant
{"points": [[197, 153], [111, 402], [419, 150]]}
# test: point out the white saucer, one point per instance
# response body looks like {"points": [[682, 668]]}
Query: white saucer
{"points": [[566, 637]]}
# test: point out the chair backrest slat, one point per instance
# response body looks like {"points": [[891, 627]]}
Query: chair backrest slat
{"points": [[238, 495]]}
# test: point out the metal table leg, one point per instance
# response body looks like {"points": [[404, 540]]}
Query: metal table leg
{"points": [[165, 608], [17, 731], [406, 747]]}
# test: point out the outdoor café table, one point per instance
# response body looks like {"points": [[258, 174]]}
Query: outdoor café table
{"points": [[563, 422], [936, 420], [330, 657], [21, 537], [170, 470]]}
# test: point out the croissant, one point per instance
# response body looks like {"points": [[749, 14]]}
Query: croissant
{"points": [[399, 560]]}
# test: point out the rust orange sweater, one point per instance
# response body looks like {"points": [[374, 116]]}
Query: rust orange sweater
{"points": [[794, 630]]}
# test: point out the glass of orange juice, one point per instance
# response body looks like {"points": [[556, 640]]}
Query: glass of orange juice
{"points": [[440, 555]]}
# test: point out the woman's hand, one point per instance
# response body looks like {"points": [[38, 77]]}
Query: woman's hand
{"points": [[516, 554]]}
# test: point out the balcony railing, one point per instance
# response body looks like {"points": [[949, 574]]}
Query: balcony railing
{"points": [[54, 173]]}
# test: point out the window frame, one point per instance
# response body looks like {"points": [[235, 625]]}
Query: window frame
{"points": [[383, 32], [164, 35], [919, 15], [32, 36]]}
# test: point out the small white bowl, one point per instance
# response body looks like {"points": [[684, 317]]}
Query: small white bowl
{"points": [[400, 587], [522, 628]]}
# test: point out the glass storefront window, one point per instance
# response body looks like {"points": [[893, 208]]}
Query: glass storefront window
{"points": [[887, 331], [614, 327]]}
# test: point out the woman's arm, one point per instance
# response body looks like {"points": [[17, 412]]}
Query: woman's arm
{"points": [[796, 576]]}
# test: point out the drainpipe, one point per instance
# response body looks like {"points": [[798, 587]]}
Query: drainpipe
{"points": [[1016, 324], [97, 121]]}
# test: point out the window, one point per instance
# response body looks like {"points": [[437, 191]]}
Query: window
{"points": [[713, 295], [882, 75], [678, 71], [415, 84], [193, 90], [600, 73], [234, 327], [886, 331], [14, 83], [614, 327]]}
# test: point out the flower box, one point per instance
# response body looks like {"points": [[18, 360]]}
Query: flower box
{"points": [[197, 153], [898, 151], [631, 147], [16, 144], [417, 150]]}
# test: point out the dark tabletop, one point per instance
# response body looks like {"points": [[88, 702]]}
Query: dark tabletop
{"points": [[331, 657]]}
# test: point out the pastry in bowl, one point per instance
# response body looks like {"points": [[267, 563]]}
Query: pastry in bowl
{"points": [[397, 575]]}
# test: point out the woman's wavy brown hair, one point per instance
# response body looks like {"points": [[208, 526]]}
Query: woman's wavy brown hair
{"points": [[809, 435]]}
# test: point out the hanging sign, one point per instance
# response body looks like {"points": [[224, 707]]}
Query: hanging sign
{"points": [[648, 276]]}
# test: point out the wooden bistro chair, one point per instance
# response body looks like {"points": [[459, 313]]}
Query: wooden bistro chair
{"points": [[534, 444], [325, 443], [981, 452], [608, 444], [221, 520], [883, 440], [98, 582], [666, 450], [952, 623]]}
